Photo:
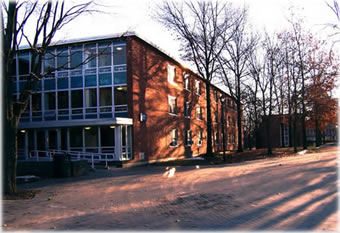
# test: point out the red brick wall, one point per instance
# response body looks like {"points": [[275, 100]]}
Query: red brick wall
{"points": [[148, 89]]}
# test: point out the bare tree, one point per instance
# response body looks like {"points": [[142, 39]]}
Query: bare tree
{"points": [[234, 63], [49, 18], [203, 28]]}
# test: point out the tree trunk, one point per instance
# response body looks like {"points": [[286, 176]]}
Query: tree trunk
{"points": [[239, 126], [209, 141], [10, 156], [269, 141]]}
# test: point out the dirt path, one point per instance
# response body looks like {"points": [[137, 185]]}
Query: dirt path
{"points": [[290, 193]]}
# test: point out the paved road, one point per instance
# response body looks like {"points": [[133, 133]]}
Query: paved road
{"points": [[291, 193]]}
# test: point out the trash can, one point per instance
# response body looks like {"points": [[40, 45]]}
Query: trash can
{"points": [[62, 166]]}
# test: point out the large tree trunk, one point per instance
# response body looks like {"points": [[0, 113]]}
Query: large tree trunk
{"points": [[10, 156], [208, 100]]}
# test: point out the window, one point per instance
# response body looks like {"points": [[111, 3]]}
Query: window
{"points": [[76, 59], [63, 100], [105, 96], [199, 138], [172, 105], [171, 74], [187, 109], [234, 122], [216, 116], [24, 63], [120, 78], [77, 98], [186, 81], [121, 95], [91, 137], [199, 113], [174, 137], [107, 136], [50, 99], [198, 87], [62, 59], [76, 138], [90, 57], [217, 139], [229, 121], [49, 62], [188, 138], [91, 98], [119, 55], [36, 102], [104, 56]]}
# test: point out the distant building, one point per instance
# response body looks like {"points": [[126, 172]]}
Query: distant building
{"points": [[279, 132], [130, 100]]}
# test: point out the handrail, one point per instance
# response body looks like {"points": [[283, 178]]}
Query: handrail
{"points": [[77, 155]]}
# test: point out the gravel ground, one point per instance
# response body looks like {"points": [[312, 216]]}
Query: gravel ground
{"points": [[291, 193]]}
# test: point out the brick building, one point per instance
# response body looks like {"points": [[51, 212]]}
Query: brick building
{"points": [[129, 100]]}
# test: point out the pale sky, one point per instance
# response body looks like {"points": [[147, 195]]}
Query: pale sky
{"points": [[135, 15]]}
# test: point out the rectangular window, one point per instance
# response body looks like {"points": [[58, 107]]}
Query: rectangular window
{"points": [[49, 62], [91, 98], [198, 87], [90, 57], [199, 113], [24, 63], [104, 56], [107, 136], [76, 138], [216, 116], [188, 138], [91, 137], [105, 79], [174, 137], [50, 99], [76, 59], [187, 109], [105, 96], [171, 74], [186, 81], [172, 105], [63, 100], [76, 82], [36, 102], [120, 95], [62, 59], [120, 78], [199, 138], [77, 98], [90, 80], [119, 54], [217, 139]]}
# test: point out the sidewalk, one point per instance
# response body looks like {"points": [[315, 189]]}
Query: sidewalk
{"points": [[289, 193]]}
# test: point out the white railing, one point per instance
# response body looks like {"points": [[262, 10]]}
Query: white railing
{"points": [[75, 155]]}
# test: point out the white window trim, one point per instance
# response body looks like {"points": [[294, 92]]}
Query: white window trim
{"points": [[198, 91], [171, 74], [169, 103], [186, 77]]}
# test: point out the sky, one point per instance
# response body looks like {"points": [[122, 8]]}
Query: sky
{"points": [[136, 15]]}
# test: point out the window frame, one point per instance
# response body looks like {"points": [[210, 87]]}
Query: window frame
{"points": [[171, 72], [174, 138], [170, 98]]}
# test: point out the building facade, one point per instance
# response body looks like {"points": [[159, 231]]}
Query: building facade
{"points": [[121, 96]]}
